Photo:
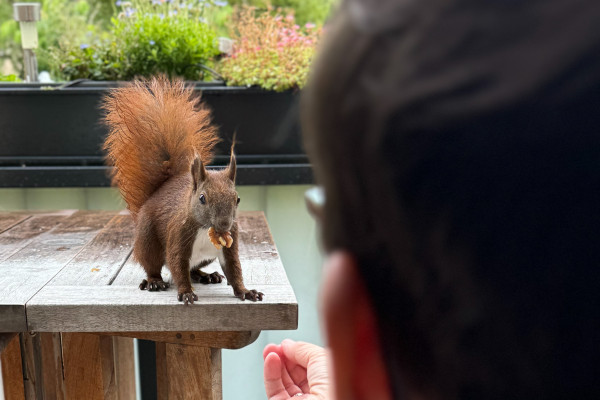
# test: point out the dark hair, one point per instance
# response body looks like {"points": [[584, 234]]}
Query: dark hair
{"points": [[458, 143]]}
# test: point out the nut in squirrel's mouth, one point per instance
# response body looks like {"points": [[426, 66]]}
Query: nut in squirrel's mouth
{"points": [[220, 239]]}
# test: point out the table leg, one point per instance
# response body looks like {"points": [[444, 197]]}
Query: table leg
{"points": [[12, 372], [52, 369], [98, 367], [40, 366], [188, 372], [88, 366], [124, 367], [32, 365]]}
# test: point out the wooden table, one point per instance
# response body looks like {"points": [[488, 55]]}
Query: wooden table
{"points": [[70, 306]]}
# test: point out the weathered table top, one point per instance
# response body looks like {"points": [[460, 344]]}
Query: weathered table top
{"points": [[72, 271]]}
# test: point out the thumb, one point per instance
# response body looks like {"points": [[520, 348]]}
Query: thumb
{"points": [[272, 377], [315, 359]]}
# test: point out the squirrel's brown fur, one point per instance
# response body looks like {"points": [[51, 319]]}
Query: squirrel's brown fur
{"points": [[157, 128], [159, 142]]}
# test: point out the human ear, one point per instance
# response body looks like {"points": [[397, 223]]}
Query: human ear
{"points": [[352, 332]]}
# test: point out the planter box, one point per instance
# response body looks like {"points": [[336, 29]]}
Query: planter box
{"points": [[52, 135]]}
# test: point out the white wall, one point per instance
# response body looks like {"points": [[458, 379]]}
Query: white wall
{"points": [[295, 235]]}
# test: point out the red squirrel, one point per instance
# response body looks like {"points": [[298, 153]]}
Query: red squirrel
{"points": [[160, 139]]}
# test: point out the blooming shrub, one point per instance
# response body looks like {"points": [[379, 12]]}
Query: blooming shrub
{"points": [[146, 38], [270, 51], [305, 11]]}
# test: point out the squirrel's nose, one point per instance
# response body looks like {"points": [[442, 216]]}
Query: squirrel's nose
{"points": [[223, 225]]}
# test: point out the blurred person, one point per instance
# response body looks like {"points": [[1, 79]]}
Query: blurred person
{"points": [[458, 147]]}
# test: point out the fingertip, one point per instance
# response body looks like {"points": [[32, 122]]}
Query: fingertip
{"points": [[271, 348]]}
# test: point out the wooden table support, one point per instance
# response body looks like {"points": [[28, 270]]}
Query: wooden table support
{"points": [[201, 376], [70, 309], [99, 366], [12, 372]]}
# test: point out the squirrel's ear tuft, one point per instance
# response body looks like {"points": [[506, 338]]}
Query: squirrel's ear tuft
{"points": [[195, 172], [199, 173], [231, 170]]}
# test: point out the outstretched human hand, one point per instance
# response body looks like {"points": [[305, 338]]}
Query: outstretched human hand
{"points": [[296, 370]]}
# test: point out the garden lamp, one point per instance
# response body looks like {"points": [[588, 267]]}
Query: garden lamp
{"points": [[27, 14]]}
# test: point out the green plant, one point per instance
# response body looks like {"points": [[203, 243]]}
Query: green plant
{"points": [[270, 51], [61, 22], [145, 38], [9, 78], [100, 61], [305, 11]]}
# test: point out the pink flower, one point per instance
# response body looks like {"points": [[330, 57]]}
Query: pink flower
{"points": [[309, 25], [289, 18]]}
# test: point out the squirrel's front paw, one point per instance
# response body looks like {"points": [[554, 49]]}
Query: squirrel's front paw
{"points": [[187, 297], [153, 285], [250, 295], [203, 277]]}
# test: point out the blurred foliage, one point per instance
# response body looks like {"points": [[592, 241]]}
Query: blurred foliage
{"points": [[145, 38], [9, 78], [270, 50], [61, 22], [305, 11], [114, 40]]}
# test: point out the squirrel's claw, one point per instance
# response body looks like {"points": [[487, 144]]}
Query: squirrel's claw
{"points": [[206, 278], [187, 298], [154, 285], [250, 295]]}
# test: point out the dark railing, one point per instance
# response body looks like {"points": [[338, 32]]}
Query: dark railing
{"points": [[51, 135]]}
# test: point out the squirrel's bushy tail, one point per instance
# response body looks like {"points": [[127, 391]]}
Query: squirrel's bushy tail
{"points": [[157, 128]]}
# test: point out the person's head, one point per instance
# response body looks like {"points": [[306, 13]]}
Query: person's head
{"points": [[458, 145]]}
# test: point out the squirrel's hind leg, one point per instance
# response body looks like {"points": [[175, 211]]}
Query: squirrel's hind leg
{"points": [[200, 276], [149, 252]]}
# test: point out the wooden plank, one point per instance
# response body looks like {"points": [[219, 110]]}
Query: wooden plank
{"points": [[109, 373], [88, 366], [113, 308], [32, 366], [20, 235], [188, 372], [52, 371], [12, 372], [5, 339], [8, 220], [25, 272], [99, 262], [12, 317], [162, 378], [219, 340], [132, 274], [124, 368]]}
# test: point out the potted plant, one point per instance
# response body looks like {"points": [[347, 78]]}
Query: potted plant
{"points": [[53, 133]]}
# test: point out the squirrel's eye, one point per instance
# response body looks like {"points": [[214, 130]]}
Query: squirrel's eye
{"points": [[202, 199], [238, 200]]}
